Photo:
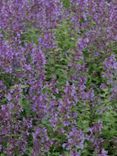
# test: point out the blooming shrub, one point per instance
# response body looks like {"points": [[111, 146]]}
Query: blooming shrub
{"points": [[58, 78]]}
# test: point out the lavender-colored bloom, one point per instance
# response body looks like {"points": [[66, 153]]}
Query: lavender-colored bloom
{"points": [[75, 139], [111, 62], [103, 153], [48, 41], [41, 142], [74, 153]]}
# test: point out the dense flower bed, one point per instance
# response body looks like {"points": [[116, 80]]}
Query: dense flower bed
{"points": [[58, 78]]}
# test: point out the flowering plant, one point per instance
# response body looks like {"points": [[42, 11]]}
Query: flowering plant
{"points": [[58, 78]]}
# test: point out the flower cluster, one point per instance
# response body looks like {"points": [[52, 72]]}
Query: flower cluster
{"points": [[58, 77]]}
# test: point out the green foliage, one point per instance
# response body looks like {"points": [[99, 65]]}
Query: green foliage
{"points": [[65, 36], [57, 67], [58, 60], [83, 110], [30, 35], [26, 106], [8, 79], [66, 3]]}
